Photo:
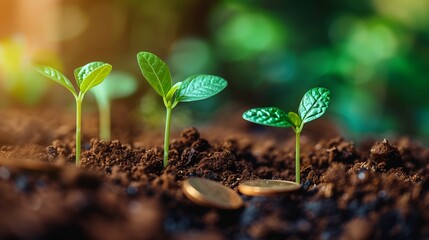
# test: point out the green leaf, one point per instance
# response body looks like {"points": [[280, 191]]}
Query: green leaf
{"points": [[81, 72], [76, 75], [155, 71], [200, 87], [57, 76], [172, 92], [294, 119], [117, 85], [270, 116], [314, 104], [91, 75]]}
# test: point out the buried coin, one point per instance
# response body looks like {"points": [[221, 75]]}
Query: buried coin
{"points": [[267, 187], [210, 193]]}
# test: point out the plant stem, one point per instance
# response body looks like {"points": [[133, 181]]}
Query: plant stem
{"points": [[104, 109], [167, 135], [297, 158], [78, 127]]}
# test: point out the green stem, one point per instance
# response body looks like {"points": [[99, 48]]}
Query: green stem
{"points": [[167, 135], [104, 109], [78, 126], [297, 159]]}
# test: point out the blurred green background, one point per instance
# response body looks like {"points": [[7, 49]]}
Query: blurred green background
{"points": [[372, 54]]}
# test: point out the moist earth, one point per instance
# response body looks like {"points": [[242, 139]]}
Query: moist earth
{"points": [[122, 191]]}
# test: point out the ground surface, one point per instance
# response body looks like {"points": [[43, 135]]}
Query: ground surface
{"points": [[121, 191]]}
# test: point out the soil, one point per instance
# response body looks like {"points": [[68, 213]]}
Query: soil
{"points": [[122, 191]]}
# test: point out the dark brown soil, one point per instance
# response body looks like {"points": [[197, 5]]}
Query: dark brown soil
{"points": [[121, 191]]}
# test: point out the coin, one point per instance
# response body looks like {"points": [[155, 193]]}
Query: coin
{"points": [[211, 194], [267, 187]]}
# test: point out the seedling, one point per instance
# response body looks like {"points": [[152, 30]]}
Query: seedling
{"points": [[116, 85], [194, 88], [87, 77], [312, 106]]}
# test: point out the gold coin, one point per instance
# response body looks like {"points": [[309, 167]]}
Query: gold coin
{"points": [[267, 187], [211, 194]]}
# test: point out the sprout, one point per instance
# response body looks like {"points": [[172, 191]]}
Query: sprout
{"points": [[86, 77], [312, 106], [117, 85], [194, 88]]}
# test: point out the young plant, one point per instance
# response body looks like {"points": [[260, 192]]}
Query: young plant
{"points": [[312, 106], [194, 88], [87, 77], [117, 85]]}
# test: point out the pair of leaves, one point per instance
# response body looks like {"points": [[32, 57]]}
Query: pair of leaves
{"points": [[312, 106], [194, 88], [87, 76]]}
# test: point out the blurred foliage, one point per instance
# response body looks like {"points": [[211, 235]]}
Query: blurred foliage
{"points": [[118, 84], [18, 79], [372, 54]]}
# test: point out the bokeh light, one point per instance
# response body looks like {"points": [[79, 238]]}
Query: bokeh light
{"points": [[411, 14], [190, 56], [246, 33]]}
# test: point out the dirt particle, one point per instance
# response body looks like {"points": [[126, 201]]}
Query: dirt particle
{"points": [[357, 229], [385, 155], [189, 135], [342, 151]]}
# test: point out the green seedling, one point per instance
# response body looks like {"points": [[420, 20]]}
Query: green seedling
{"points": [[117, 85], [312, 106], [194, 88], [87, 77]]}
